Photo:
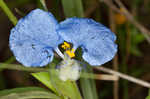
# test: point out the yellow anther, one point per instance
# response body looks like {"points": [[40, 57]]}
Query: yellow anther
{"points": [[71, 53], [68, 50], [65, 45]]}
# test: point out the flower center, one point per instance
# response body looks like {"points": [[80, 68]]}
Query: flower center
{"points": [[70, 52]]}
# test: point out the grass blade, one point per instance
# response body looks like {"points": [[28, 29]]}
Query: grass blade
{"points": [[73, 8], [27, 93], [7, 11]]}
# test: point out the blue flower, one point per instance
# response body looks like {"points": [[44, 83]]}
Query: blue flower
{"points": [[34, 38], [96, 41]]}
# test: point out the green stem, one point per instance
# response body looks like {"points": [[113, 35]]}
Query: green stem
{"points": [[44, 5], [36, 69], [21, 68], [7, 11], [10, 60], [12, 18]]}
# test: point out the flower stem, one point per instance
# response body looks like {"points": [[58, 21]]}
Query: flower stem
{"points": [[12, 18], [124, 76], [7, 11], [21, 68]]}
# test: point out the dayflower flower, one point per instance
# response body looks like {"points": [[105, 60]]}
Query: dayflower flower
{"points": [[38, 34]]}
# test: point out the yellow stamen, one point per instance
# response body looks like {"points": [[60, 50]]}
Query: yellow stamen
{"points": [[71, 53], [65, 45], [68, 50]]}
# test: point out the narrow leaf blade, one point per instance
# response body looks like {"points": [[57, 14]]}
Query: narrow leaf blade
{"points": [[73, 8], [27, 93], [44, 77]]}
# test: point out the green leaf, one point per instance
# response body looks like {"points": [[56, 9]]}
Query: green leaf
{"points": [[88, 86], [148, 97], [65, 88], [51, 80], [73, 8], [27, 93], [44, 77], [19, 90]]}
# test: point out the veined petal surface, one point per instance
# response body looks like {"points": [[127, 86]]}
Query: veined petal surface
{"points": [[34, 38], [96, 40]]}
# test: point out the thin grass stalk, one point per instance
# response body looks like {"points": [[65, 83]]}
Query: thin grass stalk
{"points": [[7, 11]]}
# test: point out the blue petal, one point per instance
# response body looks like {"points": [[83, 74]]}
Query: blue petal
{"points": [[34, 37], [96, 40]]}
